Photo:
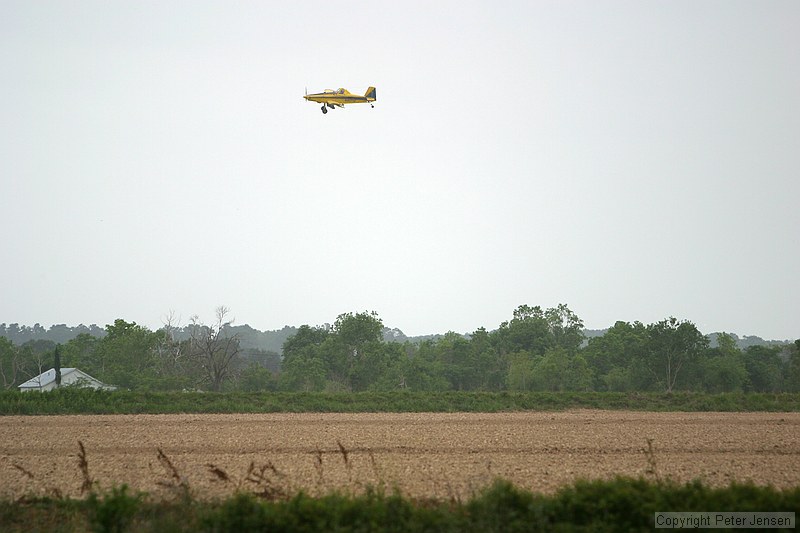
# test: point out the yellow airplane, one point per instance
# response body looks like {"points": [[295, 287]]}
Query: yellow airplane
{"points": [[332, 99]]}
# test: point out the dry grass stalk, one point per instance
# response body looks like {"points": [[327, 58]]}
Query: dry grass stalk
{"points": [[346, 458], [652, 466], [345, 453], [176, 481], [318, 466], [83, 466], [263, 477], [376, 470], [52, 492], [219, 474], [28, 474]]}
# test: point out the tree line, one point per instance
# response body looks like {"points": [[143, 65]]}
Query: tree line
{"points": [[536, 350]]}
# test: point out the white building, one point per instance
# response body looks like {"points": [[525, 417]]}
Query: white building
{"points": [[69, 377]]}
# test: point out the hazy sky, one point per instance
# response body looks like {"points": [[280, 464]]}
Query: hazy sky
{"points": [[635, 160]]}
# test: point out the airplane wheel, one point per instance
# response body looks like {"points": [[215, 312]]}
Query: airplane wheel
{"points": [[324, 110]]}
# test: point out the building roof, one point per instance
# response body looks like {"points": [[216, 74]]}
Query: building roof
{"points": [[49, 376]]}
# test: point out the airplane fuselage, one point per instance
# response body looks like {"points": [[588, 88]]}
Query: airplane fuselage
{"points": [[341, 97]]}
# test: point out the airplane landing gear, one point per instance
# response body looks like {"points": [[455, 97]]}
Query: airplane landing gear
{"points": [[324, 109]]}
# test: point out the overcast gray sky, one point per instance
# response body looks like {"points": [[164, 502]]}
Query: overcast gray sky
{"points": [[633, 159]]}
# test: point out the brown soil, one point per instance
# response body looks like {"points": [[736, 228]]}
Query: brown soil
{"points": [[423, 455]]}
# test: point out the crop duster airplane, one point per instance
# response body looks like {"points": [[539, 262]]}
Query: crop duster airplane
{"points": [[332, 99]]}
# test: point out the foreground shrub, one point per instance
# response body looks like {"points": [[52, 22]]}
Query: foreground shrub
{"points": [[114, 512], [622, 504]]}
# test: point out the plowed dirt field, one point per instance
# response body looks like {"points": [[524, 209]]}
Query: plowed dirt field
{"points": [[444, 455]]}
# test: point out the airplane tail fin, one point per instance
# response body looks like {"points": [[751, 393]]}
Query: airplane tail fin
{"points": [[370, 93]]}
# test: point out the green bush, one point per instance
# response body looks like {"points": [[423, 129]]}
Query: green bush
{"points": [[83, 401], [621, 504], [115, 511]]}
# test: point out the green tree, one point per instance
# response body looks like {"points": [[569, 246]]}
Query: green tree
{"points": [[792, 378], [452, 351], [256, 378], [521, 371], [302, 368], [557, 370], [671, 344], [35, 357], [303, 372], [422, 371], [338, 361], [764, 368], [394, 375], [373, 362], [489, 368], [125, 354], [535, 330], [10, 364], [724, 374], [618, 379], [722, 369], [305, 336], [355, 330], [353, 353], [82, 352], [612, 355], [565, 327], [527, 331]]}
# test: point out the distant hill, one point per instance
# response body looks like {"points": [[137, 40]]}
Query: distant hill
{"points": [[741, 342], [594, 333], [747, 340], [272, 341], [250, 338], [58, 333]]}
